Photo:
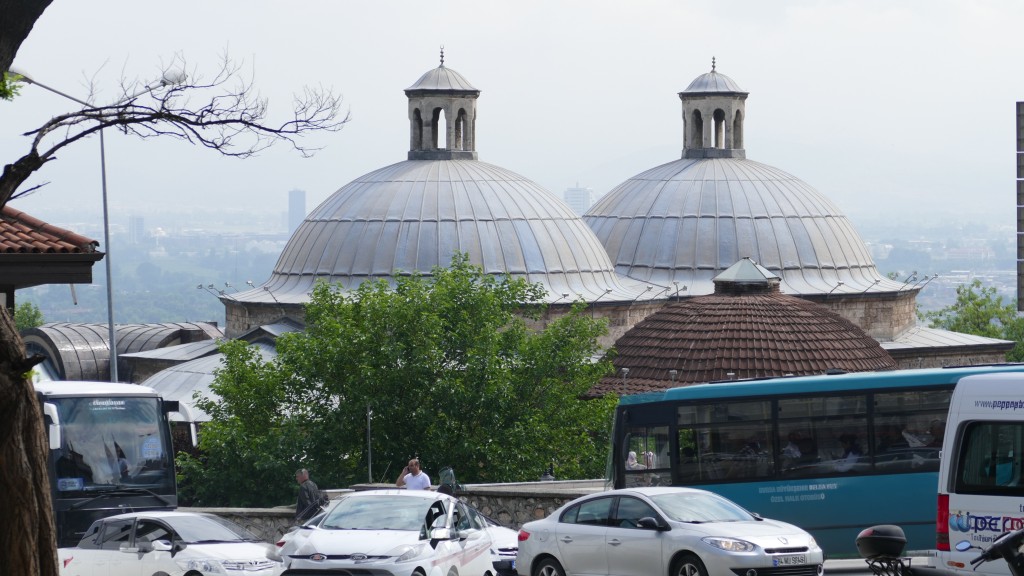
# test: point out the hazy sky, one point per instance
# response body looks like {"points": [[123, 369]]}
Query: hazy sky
{"points": [[898, 108]]}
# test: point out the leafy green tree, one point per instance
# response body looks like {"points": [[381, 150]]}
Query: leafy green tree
{"points": [[450, 368], [27, 315], [241, 462], [981, 311]]}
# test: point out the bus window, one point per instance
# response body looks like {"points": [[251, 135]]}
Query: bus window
{"points": [[647, 450], [823, 435], [909, 426], [725, 440]]}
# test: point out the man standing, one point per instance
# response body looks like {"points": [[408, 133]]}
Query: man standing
{"points": [[412, 477], [309, 497]]}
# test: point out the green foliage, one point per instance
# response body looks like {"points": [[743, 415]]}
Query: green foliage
{"points": [[452, 369], [240, 447], [980, 310], [27, 315], [9, 86]]}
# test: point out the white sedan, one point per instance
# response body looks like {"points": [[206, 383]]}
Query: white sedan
{"points": [[166, 543], [392, 533], [663, 530]]}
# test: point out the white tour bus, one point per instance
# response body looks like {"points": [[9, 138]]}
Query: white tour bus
{"points": [[981, 492]]}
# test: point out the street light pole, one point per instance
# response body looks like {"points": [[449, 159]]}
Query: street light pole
{"points": [[167, 80]]}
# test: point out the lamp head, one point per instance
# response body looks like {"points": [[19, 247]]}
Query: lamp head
{"points": [[173, 78], [20, 75]]}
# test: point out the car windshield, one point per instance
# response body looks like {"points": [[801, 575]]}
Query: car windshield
{"points": [[194, 529], [699, 507], [378, 513]]}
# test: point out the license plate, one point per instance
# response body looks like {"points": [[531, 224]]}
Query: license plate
{"points": [[791, 560]]}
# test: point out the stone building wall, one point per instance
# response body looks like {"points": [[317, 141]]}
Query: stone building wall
{"points": [[511, 505], [242, 317], [882, 316], [910, 359]]}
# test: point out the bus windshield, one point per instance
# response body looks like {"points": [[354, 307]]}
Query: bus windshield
{"points": [[111, 443]]}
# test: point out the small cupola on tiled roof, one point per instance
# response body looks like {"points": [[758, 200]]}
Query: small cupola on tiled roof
{"points": [[746, 277], [747, 329]]}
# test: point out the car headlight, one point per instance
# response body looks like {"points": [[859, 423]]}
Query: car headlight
{"points": [[204, 565], [730, 544], [811, 542], [214, 566], [406, 552]]}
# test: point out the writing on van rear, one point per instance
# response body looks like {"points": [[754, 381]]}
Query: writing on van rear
{"points": [[1000, 404]]}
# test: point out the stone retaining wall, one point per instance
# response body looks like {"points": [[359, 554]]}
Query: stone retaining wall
{"points": [[511, 505]]}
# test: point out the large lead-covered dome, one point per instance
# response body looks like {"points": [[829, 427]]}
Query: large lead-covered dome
{"points": [[416, 214], [686, 221]]}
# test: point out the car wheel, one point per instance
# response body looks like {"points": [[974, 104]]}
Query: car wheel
{"points": [[549, 567], [688, 565]]}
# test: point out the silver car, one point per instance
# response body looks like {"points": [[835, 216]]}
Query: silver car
{"points": [[663, 530], [392, 533]]}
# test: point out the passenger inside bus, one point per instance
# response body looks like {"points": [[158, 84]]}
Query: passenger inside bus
{"points": [[851, 453]]}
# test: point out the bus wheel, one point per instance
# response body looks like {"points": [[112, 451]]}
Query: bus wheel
{"points": [[548, 567], [688, 565]]}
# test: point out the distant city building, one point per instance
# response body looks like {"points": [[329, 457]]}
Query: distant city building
{"points": [[136, 229], [296, 209], [1020, 205], [579, 199]]}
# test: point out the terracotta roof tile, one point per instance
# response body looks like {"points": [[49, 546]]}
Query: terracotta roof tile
{"points": [[24, 234], [726, 336]]}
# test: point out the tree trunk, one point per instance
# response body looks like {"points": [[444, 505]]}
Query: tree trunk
{"points": [[28, 541], [19, 18]]}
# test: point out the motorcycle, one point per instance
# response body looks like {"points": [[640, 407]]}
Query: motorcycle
{"points": [[882, 548]]}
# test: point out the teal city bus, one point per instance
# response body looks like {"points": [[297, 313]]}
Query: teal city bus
{"points": [[832, 454]]}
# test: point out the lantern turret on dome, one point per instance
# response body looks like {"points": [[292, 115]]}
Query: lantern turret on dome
{"points": [[713, 115], [442, 92]]}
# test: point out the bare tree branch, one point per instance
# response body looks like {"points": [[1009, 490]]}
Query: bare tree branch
{"points": [[225, 114]]}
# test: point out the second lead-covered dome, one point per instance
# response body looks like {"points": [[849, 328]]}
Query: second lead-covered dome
{"points": [[688, 220]]}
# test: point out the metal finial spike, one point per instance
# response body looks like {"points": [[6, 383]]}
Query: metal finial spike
{"points": [[712, 63], [442, 56]]}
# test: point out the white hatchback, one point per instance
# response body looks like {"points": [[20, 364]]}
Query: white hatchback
{"points": [[166, 543], [663, 530], [392, 533]]}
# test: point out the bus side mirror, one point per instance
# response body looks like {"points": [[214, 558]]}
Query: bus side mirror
{"points": [[53, 430], [170, 406]]}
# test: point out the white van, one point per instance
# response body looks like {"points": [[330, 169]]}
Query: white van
{"points": [[981, 492]]}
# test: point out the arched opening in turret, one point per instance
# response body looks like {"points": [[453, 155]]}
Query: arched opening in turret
{"points": [[417, 130], [697, 135], [719, 120], [461, 130], [737, 130], [440, 129]]}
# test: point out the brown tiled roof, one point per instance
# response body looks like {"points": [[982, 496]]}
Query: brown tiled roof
{"points": [[738, 335], [24, 234]]}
